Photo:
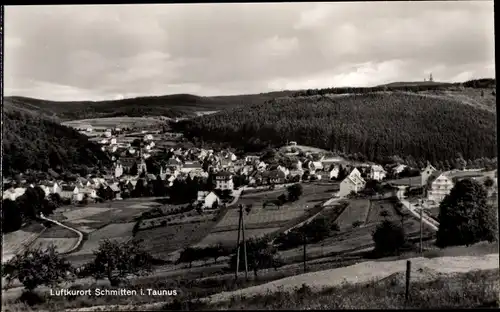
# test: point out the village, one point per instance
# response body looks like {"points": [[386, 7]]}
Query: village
{"points": [[130, 151]]}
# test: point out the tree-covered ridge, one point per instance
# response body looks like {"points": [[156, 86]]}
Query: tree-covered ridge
{"points": [[35, 143], [373, 124]]}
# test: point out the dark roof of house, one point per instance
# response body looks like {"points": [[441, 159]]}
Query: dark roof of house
{"points": [[194, 164], [434, 176], [224, 174], [68, 188]]}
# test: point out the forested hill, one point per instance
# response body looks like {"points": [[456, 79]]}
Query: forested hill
{"points": [[373, 124], [30, 142], [176, 105]]}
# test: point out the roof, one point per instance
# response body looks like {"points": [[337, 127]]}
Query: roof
{"points": [[377, 168], [276, 174], [224, 174], [192, 164], [151, 176], [114, 188], [434, 176], [68, 188]]}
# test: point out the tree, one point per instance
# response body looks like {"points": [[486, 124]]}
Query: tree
{"points": [[134, 170], [294, 191], [488, 182], [37, 267], [465, 218], [11, 216], [190, 254], [282, 199], [115, 260], [389, 237], [260, 255]]}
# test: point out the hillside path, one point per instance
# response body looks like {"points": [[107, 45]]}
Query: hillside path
{"points": [[80, 234]]}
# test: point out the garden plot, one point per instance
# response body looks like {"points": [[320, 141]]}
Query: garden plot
{"points": [[84, 213], [377, 207], [15, 242], [119, 231], [162, 241], [62, 245], [229, 238], [174, 219], [357, 211], [259, 215]]}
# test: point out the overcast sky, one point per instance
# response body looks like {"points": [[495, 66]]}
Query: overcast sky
{"points": [[110, 52]]}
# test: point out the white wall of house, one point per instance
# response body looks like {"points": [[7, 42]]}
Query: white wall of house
{"points": [[439, 189]]}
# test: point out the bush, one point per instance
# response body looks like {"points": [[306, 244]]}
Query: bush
{"points": [[389, 237], [357, 224]]}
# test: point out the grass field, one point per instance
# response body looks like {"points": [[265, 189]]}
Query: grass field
{"points": [[112, 122], [15, 242], [175, 219], [62, 238], [272, 216], [161, 241], [356, 211], [228, 238]]}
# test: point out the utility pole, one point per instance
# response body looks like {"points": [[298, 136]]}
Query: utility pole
{"points": [[238, 248], [244, 242], [304, 238], [421, 225]]}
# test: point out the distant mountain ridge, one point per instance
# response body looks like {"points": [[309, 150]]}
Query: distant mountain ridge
{"points": [[186, 105]]}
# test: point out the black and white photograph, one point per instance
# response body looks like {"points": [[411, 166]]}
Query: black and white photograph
{"points": [[249, 156]]}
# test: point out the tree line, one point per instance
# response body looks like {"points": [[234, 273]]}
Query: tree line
{"points": [[375, 126]]}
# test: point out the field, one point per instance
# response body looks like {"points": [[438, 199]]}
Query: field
{"points": [[175, 219], [228, 238], [162, 241], [357, 210], [413, 181], [112, 122], [272, 216], [94, 216], [15, 242], [118, 232], [62, 238]]}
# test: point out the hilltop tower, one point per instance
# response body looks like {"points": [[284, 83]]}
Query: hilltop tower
{"points": [[430, 78]]}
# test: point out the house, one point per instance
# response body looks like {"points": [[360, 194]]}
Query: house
{"points": [[276, 177], [333, 173], [224, 181], [251, 159], [53, 187], [148, 137], [296, 175], [90, 192], [377, 173], [438, 186], [71, 192], [150, 177], [261, 166], [314, 166], [118, 170], [352, 183], [284, 170], [426, 173], [116, 190], [14, 193], [225, 163], [209, 200], [191, 166], [112, 141], [398, 169], [255, 178]]}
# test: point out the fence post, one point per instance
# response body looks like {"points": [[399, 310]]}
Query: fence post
{"points": [[408, 273]]}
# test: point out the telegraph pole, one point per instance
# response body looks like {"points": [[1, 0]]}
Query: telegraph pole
{"points": [[238, 248], [304, 237], [421, 225], [244, 242]]}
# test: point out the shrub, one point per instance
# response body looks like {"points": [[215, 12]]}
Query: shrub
{"points": [[389, 237]]}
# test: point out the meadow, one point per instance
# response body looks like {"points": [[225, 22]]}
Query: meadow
{"points": [[357, 211], [228, 238], [112, 122]]}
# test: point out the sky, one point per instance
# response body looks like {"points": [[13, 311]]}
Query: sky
{"points": [[98, 52]]}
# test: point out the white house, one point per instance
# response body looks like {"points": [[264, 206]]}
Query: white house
{"points": [[398, 169], [352, 183], [208, 199], [148, 137], [334, 172], [118, 170], [284, 170], [224, 181], [14, 193], [377, 173], [438, 186], [72, 192], [261, 166], [92, 193], [190, 166], [426, 173], [112, 141]]}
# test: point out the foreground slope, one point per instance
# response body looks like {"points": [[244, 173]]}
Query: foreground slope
{"points": [[373, 124], [31, 142]]}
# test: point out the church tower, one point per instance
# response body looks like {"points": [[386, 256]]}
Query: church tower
{"points": [[142, 166]]}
